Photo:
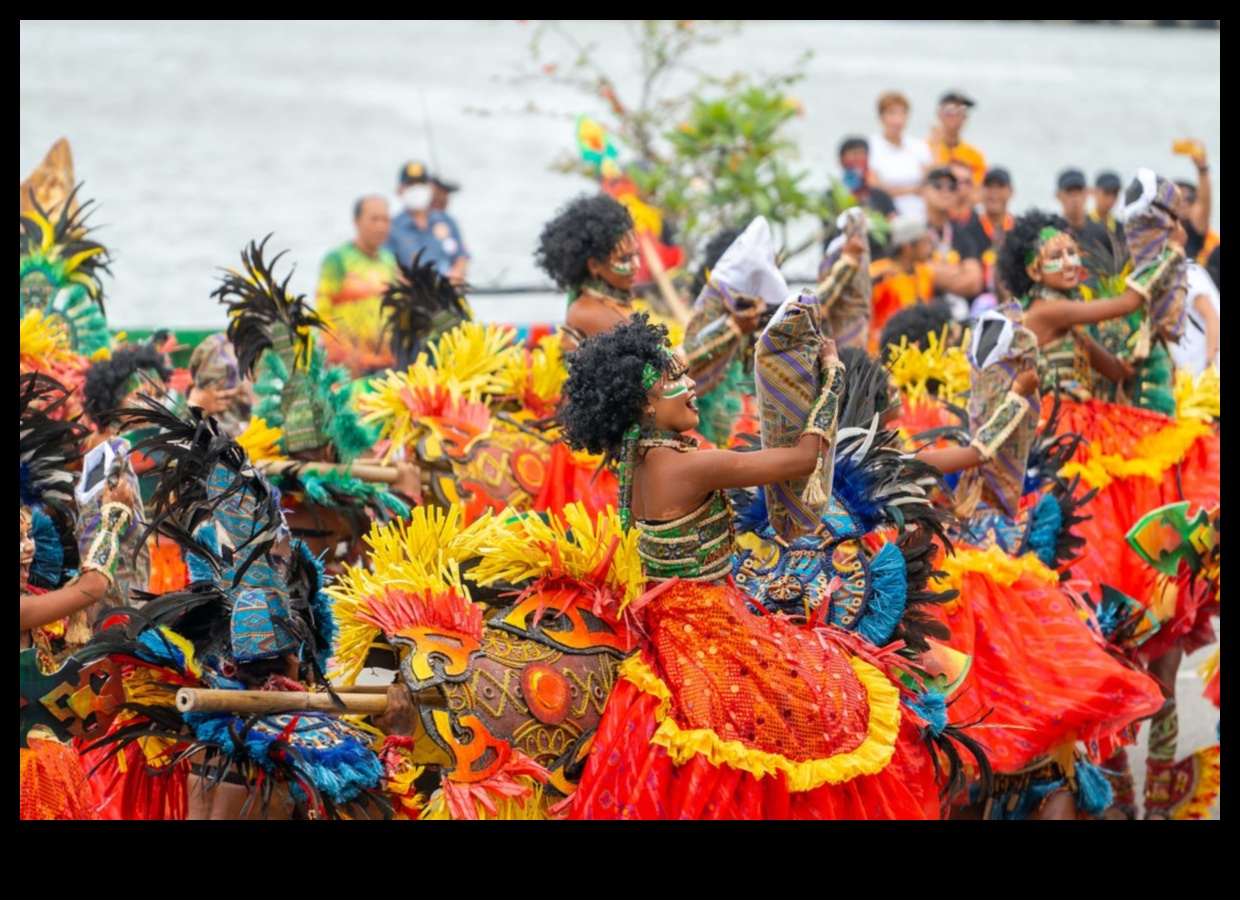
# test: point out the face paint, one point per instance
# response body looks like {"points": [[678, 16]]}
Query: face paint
{"points": [[679, 389]]}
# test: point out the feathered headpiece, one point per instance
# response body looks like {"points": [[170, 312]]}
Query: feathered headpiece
{"points": [[60, 269], [421, 305], [48, 446], [264, 316]]}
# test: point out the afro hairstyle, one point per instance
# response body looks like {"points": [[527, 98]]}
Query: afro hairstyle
{"points": [[711, 254], [587, 228], [1022, 240], [604, 395], [917, 323], [107, 379]]}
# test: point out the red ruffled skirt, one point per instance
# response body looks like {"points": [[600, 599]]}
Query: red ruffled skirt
{"points": [[1040, 677], [53, 785], [726, 715], [1139, 460], [126, 787]]}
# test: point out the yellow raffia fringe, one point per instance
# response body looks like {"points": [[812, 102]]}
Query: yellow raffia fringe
{"points": [[913, 368], [1153, 455], [1199, 397], [261, 442], [1208, 763], [1000, 567], [472, 355], [534, 806], [868, 759], [521, 548], [42, 340], [423, 553], [539, 374]]}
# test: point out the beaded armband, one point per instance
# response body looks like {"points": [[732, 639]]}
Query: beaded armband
{"points": [[105, 550], [823, 417], [399, 774], [999, 427]]}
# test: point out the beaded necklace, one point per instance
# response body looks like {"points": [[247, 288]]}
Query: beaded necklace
{"points": [[603, 291], [670, 440]]}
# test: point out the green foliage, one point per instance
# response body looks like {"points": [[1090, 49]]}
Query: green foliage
{"points": [[709, 152]]}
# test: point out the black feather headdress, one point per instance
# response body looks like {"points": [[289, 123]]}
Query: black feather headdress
{"points": [[48, 445], [421, 304], [263, 315]]}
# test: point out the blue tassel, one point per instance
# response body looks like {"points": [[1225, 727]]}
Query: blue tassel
{"points": [[1044, 527], [888, 596], [1094, 794], [49, 554], [931, 706]]}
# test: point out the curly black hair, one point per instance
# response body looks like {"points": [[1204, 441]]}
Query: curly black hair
{"points": [[107, 379], [711, 254], [587, 228], [917, 323], [604, 393], [1018, 244]]}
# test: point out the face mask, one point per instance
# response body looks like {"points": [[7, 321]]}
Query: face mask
{"points": [[417, 197], [854, 179]]}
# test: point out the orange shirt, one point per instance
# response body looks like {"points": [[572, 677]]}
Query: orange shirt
{"points": [[962, 152]]}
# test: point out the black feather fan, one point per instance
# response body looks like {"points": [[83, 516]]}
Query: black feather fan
{"points": [[419, 305], [48, 444]]}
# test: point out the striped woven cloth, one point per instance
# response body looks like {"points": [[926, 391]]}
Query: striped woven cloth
{"points": [[788, 377]]}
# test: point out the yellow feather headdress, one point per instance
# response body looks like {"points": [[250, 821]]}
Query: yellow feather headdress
{"points": [[912, 368]]}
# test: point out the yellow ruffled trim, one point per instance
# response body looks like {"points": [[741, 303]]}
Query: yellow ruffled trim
{"points": [[1000, 567], [1153, 455], [1199, 397], [1208, 762], [868, 759]]}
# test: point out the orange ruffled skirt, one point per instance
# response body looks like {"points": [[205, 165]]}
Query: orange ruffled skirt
{"points": [[1139, 460], [726, 715], [1040, 677], [53, 785]]}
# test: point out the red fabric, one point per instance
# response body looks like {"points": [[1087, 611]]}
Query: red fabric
{"points": [[1107, 558], [1039, 675], [570, 482], [1214, 688], [760, 681], [53, 785], [137, 793]]}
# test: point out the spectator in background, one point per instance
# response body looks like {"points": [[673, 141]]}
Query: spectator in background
{"points": [[350, 294], [1196, 207], [993, 223], [1073, 200], [897, 164], [904, 277], [1214, 265], [853, 188], [1197, 348], [966, 193], [956, 256], [420, 228], [1106, 193], [441, 193], [946, 145]]}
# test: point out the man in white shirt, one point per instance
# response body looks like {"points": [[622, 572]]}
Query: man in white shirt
{"points": [[1198, 346], [898, 165]]}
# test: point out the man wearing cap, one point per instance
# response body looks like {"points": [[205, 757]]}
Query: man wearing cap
{"points": [[955, 253], [1073, 199], [946, 145], [1106, 193], [421, 228], [904, 277], [994, 221]]}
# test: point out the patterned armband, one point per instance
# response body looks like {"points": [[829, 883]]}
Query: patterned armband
{"points": [[999, 427], [1157, 278], [105, 549], [399, 774], [831, 288]]}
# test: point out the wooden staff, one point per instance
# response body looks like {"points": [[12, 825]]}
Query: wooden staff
{"points": [[360, 700], [666, 288], [373, 472]]}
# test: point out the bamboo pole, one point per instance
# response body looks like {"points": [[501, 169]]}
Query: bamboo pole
{"points": [[666, 288], [270, 702]]}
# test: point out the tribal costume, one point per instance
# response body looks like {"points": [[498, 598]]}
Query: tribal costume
{"points": [[1041, 678], [253, 614], [722, 714], [844, 284], [53, 783]]}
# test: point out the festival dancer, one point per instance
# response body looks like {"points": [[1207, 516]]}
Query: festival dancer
{"points": [[1041, 679], [591, 250], [1134, 456], [55, 587], [724, 714]]}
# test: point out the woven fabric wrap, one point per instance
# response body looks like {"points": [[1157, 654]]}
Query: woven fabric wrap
{"points": [[789, 381], [848, 313]]}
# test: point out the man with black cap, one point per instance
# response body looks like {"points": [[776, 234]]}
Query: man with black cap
{"points": [[956, 260], [1106, 193], [990, 227], [946, 145], [420, 227], [1073, 198]]}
